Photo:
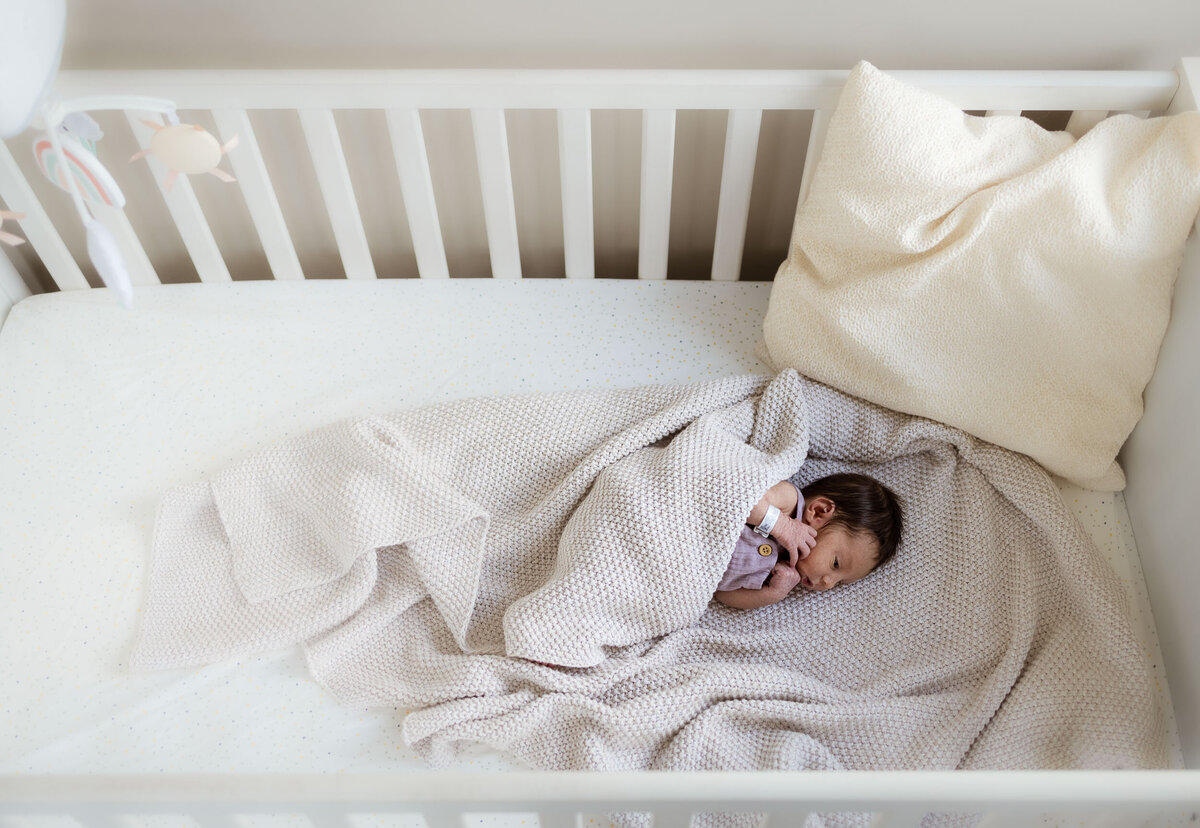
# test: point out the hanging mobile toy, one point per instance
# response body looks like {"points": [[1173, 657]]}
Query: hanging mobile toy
{"points": [[186, 148], [65, 153], [9, 238], [31, 41]]}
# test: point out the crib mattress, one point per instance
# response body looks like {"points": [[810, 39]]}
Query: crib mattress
{"points": [[103, 409]]}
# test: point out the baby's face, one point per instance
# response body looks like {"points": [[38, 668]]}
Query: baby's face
{"points": [[838, 557]]}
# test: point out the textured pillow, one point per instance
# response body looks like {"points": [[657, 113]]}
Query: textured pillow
{"points": [[986, 273]]}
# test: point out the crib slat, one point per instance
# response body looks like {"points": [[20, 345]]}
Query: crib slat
{"points": [[141, 271], [416, 187], [137, 263], [329, 162], [255, 182], [214, 817], [898, 819], [442, 818], [495, 178], [999, 819], [96, 819], [558, 819], [737, 178], [672, 818], [658, 167], [575, 172], [12, 287], [816, 141], [184, 208], [36, 227], [784, 820], [327, 817], [1082, 120]]}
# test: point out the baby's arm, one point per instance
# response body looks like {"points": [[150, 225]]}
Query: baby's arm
{"points": [[748, 598], [792, 533], [782, 496], [784, 578]]}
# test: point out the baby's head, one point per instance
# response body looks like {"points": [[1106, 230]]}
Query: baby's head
{"points": [[858, 522]]}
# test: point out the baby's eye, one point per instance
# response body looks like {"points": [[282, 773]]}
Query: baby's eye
{"points": [[835, 563]]}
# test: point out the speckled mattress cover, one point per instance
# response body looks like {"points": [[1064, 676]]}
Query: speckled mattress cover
{"points": [[102, 409]]}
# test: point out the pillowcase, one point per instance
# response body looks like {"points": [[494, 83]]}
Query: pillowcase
{"points": [[986, 273]]}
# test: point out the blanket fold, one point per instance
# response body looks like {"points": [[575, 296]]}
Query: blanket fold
{"points": [[302, 518], [430, 557]]}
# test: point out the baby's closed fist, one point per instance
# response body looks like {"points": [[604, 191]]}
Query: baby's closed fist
{"points": [[783, 578]]}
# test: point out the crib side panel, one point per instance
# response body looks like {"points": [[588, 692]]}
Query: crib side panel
{"points": [[325, 187], [891, 799], [1161, 462]]}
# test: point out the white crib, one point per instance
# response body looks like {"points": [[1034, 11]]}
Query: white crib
{"points": [[1158, 459]]}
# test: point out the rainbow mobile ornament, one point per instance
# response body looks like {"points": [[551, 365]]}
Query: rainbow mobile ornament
{"points": [[31, 39], [75, 159]]}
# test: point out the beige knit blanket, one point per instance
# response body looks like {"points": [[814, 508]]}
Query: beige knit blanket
{"points": [[430, 558]]}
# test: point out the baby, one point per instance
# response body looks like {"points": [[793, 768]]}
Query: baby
{"points": [[839, 529]]}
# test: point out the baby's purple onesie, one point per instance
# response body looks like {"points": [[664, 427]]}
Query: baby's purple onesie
{"points": [[754, 557]]}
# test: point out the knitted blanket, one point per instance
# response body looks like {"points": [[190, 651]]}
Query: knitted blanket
{"points": [[534, 573]]}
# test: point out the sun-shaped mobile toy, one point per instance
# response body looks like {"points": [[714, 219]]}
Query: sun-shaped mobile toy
{"points": [[186, 148]]}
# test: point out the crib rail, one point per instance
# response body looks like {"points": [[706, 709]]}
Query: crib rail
{"points": [[613, 88], [895, 798], [488, 94]]}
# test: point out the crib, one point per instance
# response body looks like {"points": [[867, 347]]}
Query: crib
{"points": [[76, 770]]}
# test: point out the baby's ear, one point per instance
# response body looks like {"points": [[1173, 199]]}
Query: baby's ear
{"points": [[818, 511]]}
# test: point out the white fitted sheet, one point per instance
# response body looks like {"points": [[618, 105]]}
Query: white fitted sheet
{"points": [[101, 410]]}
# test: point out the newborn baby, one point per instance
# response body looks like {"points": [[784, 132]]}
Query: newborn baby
{"points": [[837, 530]]}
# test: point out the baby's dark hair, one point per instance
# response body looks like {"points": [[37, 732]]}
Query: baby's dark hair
{"points": [[862, 505]]}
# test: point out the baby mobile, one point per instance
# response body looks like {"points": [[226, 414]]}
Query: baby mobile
{"points": [[65, 147]]}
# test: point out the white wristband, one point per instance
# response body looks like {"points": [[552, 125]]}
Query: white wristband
{"points": [[768, 521]]}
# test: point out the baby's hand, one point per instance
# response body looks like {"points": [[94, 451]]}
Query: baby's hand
{"points": [[783, 579], [796, 537]]}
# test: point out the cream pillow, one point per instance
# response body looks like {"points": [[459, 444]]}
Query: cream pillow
{"points": [[986, 273]]}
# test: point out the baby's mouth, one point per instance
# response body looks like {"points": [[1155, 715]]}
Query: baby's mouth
{"points": [[807, 584]]}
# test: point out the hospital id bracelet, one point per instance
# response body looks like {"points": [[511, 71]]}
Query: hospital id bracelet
{"points": [[768, 521]]}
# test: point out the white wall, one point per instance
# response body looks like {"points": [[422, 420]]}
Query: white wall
{"points": [[896, 34]]}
